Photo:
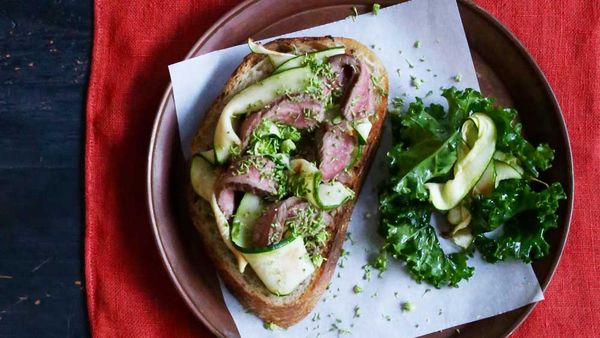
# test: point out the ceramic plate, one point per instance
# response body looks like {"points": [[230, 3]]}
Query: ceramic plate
{"points": [[505, 71]]}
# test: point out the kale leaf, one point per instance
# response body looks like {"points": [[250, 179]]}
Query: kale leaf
{"points": [[410, 238], [510, 140], [525, 214], [420, 163]]}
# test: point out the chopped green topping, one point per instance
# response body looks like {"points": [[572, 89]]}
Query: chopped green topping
{"points": [[317, 259], [406, 306], [270, 326], [367, 269], [287, 146], [417, 44], [376, 81], [309, 224], [376, 8], [349, 238], [268, 137], [235, 150], [457, 78], [357, 289], [415, 82], [335, 327], [357, 312]]}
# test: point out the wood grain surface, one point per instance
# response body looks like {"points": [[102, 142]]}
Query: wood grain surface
{"points": [[44, 63]]}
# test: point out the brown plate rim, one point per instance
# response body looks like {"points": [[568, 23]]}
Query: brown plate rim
{"points": [[246, 4]]}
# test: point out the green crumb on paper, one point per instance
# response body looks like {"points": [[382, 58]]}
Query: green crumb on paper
{"points": [[417, 44], [357, 288], [415, 82], [367, 269], [271, 326], [339, 330], [406, 306], [356, 311], [410, 65], [457, 77], [376, 8]]}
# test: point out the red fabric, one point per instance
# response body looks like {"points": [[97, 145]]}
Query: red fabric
{"points": [[129, 293]]}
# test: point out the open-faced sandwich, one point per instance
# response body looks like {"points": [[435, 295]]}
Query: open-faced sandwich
{"points": [[279, 159]]}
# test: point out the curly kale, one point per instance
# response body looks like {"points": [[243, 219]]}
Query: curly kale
{"points": [[427, 139]]}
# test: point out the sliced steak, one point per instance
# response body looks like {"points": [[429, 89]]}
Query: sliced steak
{"points": [[298, 111], [335, 152], [269, 228], [247, 173], [248, 125], [226, 201], [354, 78]]}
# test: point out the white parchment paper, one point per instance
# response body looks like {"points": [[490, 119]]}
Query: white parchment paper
{"points": [[439, 59]]}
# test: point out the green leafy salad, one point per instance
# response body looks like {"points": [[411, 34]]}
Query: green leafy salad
{"points": [[470, 163]]}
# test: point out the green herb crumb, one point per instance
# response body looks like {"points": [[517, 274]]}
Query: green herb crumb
{"points": [[457, 78], [417, 44], [406, 306], [415, 82], [357, 289], [270, 326], [356, 311], [376, 8]]}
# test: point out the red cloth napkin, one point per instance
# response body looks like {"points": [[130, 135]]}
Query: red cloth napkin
{"points": [[129, 293]]}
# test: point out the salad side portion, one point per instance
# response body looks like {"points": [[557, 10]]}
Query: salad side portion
{"points": [[279, 159], [471, 163]]}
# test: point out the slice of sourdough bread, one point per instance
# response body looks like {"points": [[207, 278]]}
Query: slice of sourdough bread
{"points": [[284, 310]]}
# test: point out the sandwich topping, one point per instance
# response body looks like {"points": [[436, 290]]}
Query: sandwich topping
{"points": [[284, 149]]}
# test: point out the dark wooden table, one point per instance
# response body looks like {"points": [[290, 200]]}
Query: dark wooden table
{"points": [[44, 63]]}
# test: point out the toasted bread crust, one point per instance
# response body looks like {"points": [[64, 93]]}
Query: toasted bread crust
{"points": [[287, 310]]}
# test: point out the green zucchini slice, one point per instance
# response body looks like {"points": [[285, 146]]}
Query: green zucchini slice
{"points": [[470, 168], [254, 97], [318, 56], [276, 58], [202, 176]]}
